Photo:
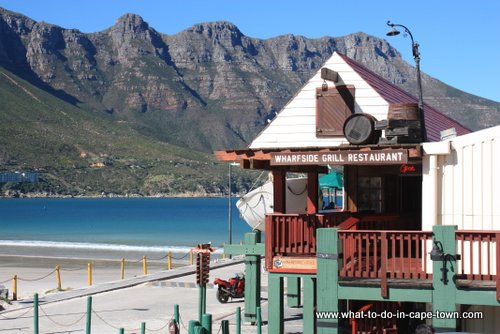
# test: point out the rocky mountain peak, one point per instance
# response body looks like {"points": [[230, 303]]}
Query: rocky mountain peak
{"points": [[222, 32], [131, 22]]}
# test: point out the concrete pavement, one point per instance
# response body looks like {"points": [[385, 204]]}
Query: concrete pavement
{"points": [[128, 303]]}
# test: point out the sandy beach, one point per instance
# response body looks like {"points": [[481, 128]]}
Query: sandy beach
{"points": [[150, 302]]}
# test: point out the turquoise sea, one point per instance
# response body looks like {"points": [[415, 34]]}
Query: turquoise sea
{"points": [[112, 227]]}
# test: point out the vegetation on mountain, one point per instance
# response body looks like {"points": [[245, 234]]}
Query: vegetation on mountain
{"points": [[129, 110]]}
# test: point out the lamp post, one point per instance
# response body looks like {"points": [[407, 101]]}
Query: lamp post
{"points": [[230, 217], [416, 57]]}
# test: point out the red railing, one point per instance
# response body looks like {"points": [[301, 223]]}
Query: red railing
{"points": [[295, 234], [385, 254], [479, 255], [371, 250]]}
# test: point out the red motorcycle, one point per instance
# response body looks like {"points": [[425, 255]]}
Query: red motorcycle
{"points": [[234, 288]]}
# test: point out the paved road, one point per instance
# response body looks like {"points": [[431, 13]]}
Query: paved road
{"points": [[127, 303]]}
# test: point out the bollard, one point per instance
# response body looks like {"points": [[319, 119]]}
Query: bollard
{"points": [[144, 266], [192, 325], [191, 261], [123, 268], [225, 326], [176, 313], [206, 323], [58, 277], [238, 320], [122, 331], [223, 254], [35, 313], [169, 261], [259, 321], [89, 274], [89, 315], [14, 287], [143, 328]]}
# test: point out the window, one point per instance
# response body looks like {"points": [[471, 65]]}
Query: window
{"points": [[370, 194], [332, 108]]}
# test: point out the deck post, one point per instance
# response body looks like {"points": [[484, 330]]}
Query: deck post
{"points": [[293, 286], [252, 278], [252, 249], [444, 296], [275, 304], [329, 254], [309, 305]]}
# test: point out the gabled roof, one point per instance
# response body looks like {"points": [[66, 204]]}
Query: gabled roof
{"points": [[435, 121]]}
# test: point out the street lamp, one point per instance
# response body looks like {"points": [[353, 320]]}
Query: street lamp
{"points": [[416, 56], [230, 218]]}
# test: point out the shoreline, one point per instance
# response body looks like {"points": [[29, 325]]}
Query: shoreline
{"points": [[187, 194]]}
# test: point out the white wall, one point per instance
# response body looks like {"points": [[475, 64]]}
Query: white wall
{"points": [[465, 188], [295, 124], [468, 182]]}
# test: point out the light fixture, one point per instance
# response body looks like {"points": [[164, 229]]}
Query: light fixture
{"points": [[437, 254], [416, 57], [324, 86]]}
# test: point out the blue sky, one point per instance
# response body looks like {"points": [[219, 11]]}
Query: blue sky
{"points": [[459, 40]]}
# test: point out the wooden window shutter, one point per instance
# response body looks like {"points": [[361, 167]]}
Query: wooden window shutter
{"points": [[332, 108]]}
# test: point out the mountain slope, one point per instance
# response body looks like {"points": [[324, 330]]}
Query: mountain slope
{"points": [[81, 153], [133, 99]]}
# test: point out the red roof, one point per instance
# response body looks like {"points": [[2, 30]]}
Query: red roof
{"points": [[435, 121]]}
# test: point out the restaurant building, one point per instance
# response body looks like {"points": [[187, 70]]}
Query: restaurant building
{"points": [[418, 229]]}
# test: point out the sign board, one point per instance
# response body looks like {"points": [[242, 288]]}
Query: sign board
{"points": [[291, 263], [389, 157]]}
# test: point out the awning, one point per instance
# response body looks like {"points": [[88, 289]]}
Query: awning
{"points": [[331, 180]]}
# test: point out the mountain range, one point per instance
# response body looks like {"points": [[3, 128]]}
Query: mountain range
{"points": [[121, 110]]}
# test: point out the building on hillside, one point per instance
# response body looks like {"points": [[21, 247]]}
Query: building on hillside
{"points": [[18, 177], [418, 231]]}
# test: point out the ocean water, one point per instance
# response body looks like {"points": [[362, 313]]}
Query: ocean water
{"points": [[112, 227]]}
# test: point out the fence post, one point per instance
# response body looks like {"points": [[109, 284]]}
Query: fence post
{"points": [[238, 320], [225, 326], [35, 313], [206, 323], [123, 268], [122, 331], [144, 265], [259, 321], [444, 292], [169, 261], [89, 315], [89, 274], [143, 328], [192, 324], [328, 254], [14, 287], [58, 277], [176, 313]]}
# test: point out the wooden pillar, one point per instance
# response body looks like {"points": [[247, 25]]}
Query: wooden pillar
{"points": [[293, 287], [329, 253], [252, 249], [312, 193], [309, 308], [444, 294], [279, 191], [252, 278], [275, 304]]}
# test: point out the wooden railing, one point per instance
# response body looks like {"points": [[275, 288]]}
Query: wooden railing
{"points": [[374, 248], [479, 255], [385, 254]]}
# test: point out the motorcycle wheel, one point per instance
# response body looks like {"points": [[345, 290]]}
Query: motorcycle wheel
{"points": [[222, 296]]}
